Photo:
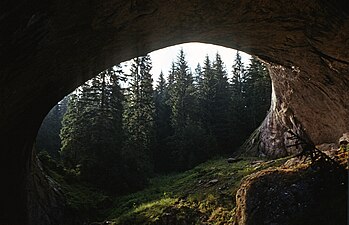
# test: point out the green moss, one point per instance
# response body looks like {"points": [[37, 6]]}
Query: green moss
{"points": [[145, 213], [82, 197], [205, 194]]}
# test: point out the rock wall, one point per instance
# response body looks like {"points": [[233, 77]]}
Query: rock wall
{"points": [[46, 203], [308, 103]]}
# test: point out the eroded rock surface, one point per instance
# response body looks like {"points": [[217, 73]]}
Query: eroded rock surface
{"points": [[46, 201]]}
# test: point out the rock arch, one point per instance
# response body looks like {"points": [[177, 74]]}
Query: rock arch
{"points": [[47, 48]]}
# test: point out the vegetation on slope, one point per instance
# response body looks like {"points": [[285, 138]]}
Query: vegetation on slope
{"points": [[203, 195]]}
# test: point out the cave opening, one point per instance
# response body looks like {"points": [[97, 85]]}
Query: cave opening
{"points": [[160, 61], [77, 141], [44, 44]]}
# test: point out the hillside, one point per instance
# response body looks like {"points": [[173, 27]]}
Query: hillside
{"points": [[207, 194], [203, 195]]}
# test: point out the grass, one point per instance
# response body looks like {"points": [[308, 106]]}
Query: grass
{"points": [[203, 195]]}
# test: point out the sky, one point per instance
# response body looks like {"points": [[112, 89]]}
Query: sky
{"points": [[195, 53]]}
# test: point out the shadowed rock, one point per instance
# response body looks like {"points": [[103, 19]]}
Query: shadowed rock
{"points": [[293, 196]]}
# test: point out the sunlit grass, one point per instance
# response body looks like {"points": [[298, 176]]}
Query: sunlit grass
{"points": [[204, 194], [146, 212]]}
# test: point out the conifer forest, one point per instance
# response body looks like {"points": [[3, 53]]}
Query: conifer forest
{"points": [[117, 129]]}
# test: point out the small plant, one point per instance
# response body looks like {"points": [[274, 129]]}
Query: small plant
{"points": [[309, 150]]}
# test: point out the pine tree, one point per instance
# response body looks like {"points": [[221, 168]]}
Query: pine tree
{"points": [[258, 87], [188, 144], [179, 93], [208, 95], [92, 131], [70, 134], [221, 106], [215, 102], [48, 135], [102, 165], [239, 119], [163, 127], [139, 123], [200, 96], [171, 89], [198, 76]]}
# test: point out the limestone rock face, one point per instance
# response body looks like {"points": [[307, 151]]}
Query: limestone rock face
{"points": [[45, 198], [48, 48], [309, 105]]}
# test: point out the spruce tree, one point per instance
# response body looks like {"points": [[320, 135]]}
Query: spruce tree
{"points": [[182, 81], [258, 87], [198, 76], [188, 144], [208, 95], [92, 132], [103, 164], [221, 106], [71, 134], [215, 102], [139, 124], [163, 127], [239, 114], [48, 135]]}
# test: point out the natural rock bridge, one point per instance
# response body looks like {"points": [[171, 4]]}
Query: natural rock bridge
{"points": [[48, 48]]}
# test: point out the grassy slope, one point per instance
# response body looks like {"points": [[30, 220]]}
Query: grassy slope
{"points": [[203, 195]]}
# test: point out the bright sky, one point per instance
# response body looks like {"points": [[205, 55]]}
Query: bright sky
{"points": [[195, 53]]}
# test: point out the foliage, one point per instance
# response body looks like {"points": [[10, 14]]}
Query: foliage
{"points": [[114, 140], [190, 197], [117, 136], [182, 198], [189, 144], [48, 135], [163, 128], [258, 93], [139, 124], [216, 104], [92, 131], [251, 94]]}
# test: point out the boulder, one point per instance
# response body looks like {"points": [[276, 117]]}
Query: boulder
{"points": [[293, 196]]}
